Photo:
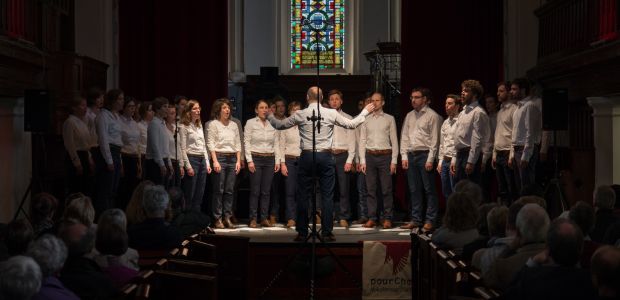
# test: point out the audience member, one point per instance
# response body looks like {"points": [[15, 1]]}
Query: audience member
{"points": [[188, 221], [469, 187], [154, 232], [582, 214], [112, 243], [459, 223], [20, 278], [18, 236], [134, 210], [50, 253], [502, 233], [42, 210], [129, 258], [80, 209], [605, 270], [604, 201], [483, 231]]}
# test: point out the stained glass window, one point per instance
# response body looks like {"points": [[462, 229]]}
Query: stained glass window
{"points": [[325, 17]]}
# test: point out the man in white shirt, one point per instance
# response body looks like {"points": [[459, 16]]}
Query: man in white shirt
{"points": [[526, 133], [343, 149], [502, 146], [418, 150], [446, 145], [378, 155], [324, 163], [471, 134]]}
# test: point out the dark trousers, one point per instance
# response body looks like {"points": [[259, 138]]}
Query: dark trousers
{"points": [[421, 183], [194, 186], [461, 162], [260, 186], [325, 172], [79, 183], [107, 181], [447, 180], [378, 167], [223, 186], [506, 186], [290, 182], [129, 181], [525, 176], [277, 184], [362, 201], [343, 180], [153, 173]]}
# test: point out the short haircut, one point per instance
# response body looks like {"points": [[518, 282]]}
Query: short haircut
{"points": [[179, 98], [425, 93], [474, 87], [532, 224], [19, 234], [513, 211], [80, 209], [75, 102], [42, 207], [110, 97], [604, 197], [216, 108], [582, 214], [565, 242], [112, 240], [113, 216], [258, 102], [92, 95], [155, 200], [335, 92], [461, 212], [605, 267], [471, 188], [522, 83], [49, 252], [159, 102], [483, 211], [314, 93], [177, 198], [496, 220], [79, 239], [505, 84], [20, 278], [144, 108], [378, 93], [457, 99]]}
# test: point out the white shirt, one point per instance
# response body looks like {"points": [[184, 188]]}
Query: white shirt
{"points": [[108, 132], [324, 138], [130, 133], [158, 142], [172, 154], [526, 127], [144, 126], [379, 133], [446, 145], [344, 139], [223, 138], [503, 130], [192, 141], [421, 131], [76, 137], [472, 130], [91, 117], [290, 142], [260, 137]]}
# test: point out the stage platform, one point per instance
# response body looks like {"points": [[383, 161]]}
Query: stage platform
{"points": [[249, 260]]}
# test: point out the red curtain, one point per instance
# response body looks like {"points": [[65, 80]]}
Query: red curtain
{"points": [[445, 42], [168, 48]]}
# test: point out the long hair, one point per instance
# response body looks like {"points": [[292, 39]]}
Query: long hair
{"points": [[186, 115], [216, 109]]}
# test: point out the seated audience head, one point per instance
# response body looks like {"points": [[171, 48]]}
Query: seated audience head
{"points": [[113, 216], [50, 253], [20, 278], [511, 220], [112, 239], [532, 224], [177, 199], [42, 208], [582, 214], [80, 209], [18, 236], [461, 212], [565, 242], [605, 270], [483, 211], [79, 238], [470, 188], [533, 199], [155, 201], [135, 211], [221, 109], [497, 221], [604, 197]]}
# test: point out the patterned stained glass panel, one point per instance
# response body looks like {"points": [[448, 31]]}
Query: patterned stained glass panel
{"points": [[317, 23]]}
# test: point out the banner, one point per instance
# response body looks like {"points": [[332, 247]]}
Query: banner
{"points": [[386, 270]]}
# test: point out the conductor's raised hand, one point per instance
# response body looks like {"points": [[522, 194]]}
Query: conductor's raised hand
{"points": [[370, 107]]}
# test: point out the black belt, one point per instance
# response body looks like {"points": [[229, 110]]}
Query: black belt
{"points": [[419, 152], [318, 151], [463, 150]]}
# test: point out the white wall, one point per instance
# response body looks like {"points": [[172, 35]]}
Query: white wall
{"points": [[96, 34], [520, 37]]}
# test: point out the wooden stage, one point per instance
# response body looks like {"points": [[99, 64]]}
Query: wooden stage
{"points": [[249, 259]]}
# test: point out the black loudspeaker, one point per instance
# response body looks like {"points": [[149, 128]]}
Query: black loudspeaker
{"points": [[37, 109], [269, 74], [555, 109]]}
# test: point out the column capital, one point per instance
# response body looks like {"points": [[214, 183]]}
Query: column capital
{"points": [[605, 106]]}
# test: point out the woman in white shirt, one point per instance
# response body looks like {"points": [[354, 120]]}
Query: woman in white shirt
{"points": [[157, 166], [224, 146], [108, 157], [130, 153], [174, 149], [194, 155], [262, 151], [290, 149], [146, 114], [76, 138]]}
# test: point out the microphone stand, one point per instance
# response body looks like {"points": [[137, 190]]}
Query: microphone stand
{"points": [[177, 174]]}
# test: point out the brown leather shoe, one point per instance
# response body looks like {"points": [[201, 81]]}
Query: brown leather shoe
{"points": [[361, 220], [227, 223], [344, 223], [370, 224], [290, 223], [409, 226], [318, 218], [265, 223], [328, 237], [428, 227], [252, 223], [233, 219], [387, 224], [273, 220], [219, 224]]}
